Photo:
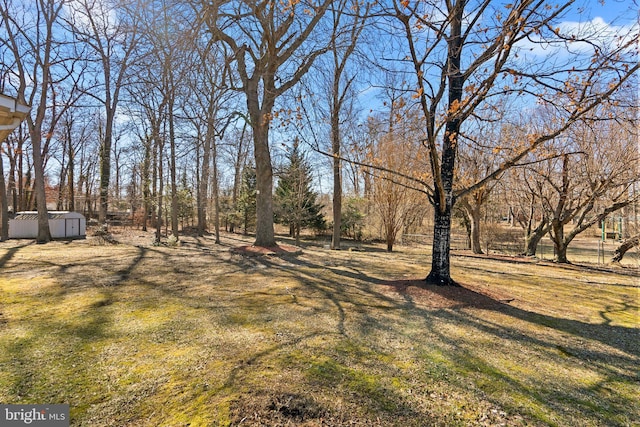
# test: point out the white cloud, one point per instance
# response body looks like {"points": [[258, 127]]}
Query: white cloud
{"points": [[586, 35], [100, 12]]}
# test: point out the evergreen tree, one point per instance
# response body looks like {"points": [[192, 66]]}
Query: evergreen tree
{"points": [[246, 207], [295, 202]]}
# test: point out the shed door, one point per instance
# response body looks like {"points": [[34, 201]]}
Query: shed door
{"points": [[72, 227]]}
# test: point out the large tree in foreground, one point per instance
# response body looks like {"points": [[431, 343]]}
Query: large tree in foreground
{"points": [[272, 45], [463, 54]]}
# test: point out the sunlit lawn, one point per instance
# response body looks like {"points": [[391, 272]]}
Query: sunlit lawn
{"points": [[198, 335]]}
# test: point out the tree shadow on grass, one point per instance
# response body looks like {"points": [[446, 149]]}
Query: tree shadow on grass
{"points": [[619, 337], [361, 308], [451, 305], [11, 252]]}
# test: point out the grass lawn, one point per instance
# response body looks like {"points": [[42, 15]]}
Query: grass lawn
{"points": [[201, 335]]}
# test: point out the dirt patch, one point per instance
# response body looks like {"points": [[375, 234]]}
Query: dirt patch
{"points": [[252, 250], [278, 410], [436, 297]]}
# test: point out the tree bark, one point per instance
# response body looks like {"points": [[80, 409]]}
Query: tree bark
{"points": [[204, 186], [265, 235], [337, 182], [443, 194], [105, 163], [216, 192], [473, 214], [71, 178], [440, 259], [559, 243], [146, 183], [531, 244], [159, 194], [172, 161], [44, 234], [532, 237], [476, 246], [621, 250]]}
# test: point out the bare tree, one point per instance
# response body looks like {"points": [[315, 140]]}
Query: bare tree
{"points": [[342, 48], [237, 150], [460, 60], [209, 108], [273, 45], [393, 198], [527, 190], [109, 37], [594, 182], [150, 106], [36, 39], [75, 131]]}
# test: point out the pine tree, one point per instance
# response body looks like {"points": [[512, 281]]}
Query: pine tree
{"points": [[246, 206], [295, 202]]}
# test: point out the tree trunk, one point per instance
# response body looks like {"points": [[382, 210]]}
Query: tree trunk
{"points": [[204, 186], [337, 170], [337, 196], [238, 164], [63, 174], [443, 195], [216, 192], [440, 264], [245, 229], [146, 183], [532, 237], [631, 242], [44, 234], [21, 197], [72, 192], [105, 166], [172, 161], [87, 198], [12, 185], [472, 213], [4, 205], [559, 243], [476, 247], [160, 191], [531, 244], [265, 235]]}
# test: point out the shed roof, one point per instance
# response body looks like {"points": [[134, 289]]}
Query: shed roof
{"points": [[32, 215]]}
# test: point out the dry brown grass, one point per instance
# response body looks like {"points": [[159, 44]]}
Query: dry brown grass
{"points": [[136, 335]]}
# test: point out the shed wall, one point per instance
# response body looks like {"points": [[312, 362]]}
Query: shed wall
{"points": [[23, 229], [69, 226]]}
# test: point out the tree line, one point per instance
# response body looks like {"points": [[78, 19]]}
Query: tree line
{"points": [[418, 105]]}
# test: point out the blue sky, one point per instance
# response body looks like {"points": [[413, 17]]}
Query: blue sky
{"points": [[613, 11]]}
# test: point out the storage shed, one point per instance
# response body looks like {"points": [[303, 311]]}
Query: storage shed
{"points": [[62, 224]]}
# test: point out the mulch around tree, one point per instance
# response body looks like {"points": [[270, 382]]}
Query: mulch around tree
{"points": [[278, 250], [417, 291]]}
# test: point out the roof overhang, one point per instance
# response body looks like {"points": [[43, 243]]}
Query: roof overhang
{"points": [[12, 113]]}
